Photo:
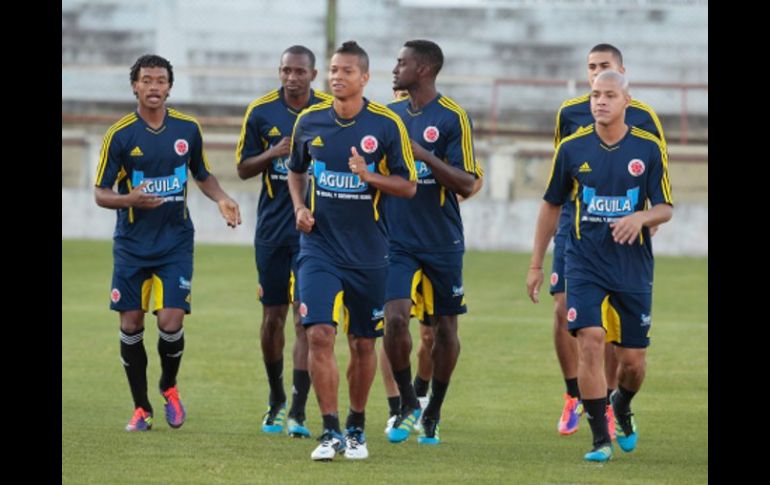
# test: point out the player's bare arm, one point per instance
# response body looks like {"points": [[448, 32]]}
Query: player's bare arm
{"points": [[255, 165], [546, 225], [227, 206], [456, 180], [298, 189], [626, 230], [137, 198]]}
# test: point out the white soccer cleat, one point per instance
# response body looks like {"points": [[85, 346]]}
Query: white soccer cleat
{"points": [[424, 400], [390, 422], [355, 444], [331, 444]]}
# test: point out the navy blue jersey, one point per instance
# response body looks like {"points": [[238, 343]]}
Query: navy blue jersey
{"points": [[431, 219], [349, 230], [576, 112], [609, 183], [133, 153], [268, 119]]}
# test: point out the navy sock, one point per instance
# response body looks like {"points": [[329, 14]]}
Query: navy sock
{"points": [[420, 386], [438, 392], [275, 379], [170, 348], [134, 359], [623, 400], [595, 409], [299, 392], [332, 422], [572, 387], [355, 420], [394, 405], [404, 380]]}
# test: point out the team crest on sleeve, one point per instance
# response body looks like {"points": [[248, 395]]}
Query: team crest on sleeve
{"points": [[430, 134], [636, 167], [181, 147], [115, 295], [554, 278], [369, 144], [303, 310], [571, 314]]}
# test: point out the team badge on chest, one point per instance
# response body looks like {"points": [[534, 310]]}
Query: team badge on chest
{"points": [[181, 147], [636, 167], [369, 144], [430, 134]]}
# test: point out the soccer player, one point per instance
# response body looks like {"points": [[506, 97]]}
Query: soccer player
{"points": [[263, 148], [617, 172], [573, 114], [357, 151], [426, 243], [148, 154]]}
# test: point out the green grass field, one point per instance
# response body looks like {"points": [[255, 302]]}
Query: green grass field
{"points": [[498, 421]]}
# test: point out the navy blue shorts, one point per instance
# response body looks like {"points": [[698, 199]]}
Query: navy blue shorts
{"points": [[348, 296], [277, 271], [625, 316], [433, 281], [557, 269], [170, 285]]}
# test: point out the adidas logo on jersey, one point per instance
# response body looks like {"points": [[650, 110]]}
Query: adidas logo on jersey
{"points": [[274, 131], [317, 142], [136, 152], [584, 168]]}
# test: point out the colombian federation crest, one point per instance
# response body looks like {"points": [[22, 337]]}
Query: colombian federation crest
{"points": [[571, 314], [554, 278], [430, 134], [181, 147], [636, 167], [369, 144]]}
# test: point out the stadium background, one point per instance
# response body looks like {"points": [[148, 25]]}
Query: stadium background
{"points": [[510, 63]]}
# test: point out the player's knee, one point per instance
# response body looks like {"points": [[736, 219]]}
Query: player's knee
{"points": [[560, 310], [635, 367], [361, 348], [446, 337], [320, 338], [397, 324], [272, 325], [591, 342], [427, 339]]}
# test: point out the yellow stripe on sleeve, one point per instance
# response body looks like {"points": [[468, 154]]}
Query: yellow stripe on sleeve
{"points": [[267, 98], [469, 162], [406, 149], [103, 155], [181, 116]]}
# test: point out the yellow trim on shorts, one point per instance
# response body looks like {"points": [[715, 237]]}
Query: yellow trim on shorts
{"points": [[611, 321]]}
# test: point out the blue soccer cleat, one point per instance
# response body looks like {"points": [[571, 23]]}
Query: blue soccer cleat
{"points": [[295, 427], [404, 425], [429, 434], [625, 427], [600, 454], [274, 419]]}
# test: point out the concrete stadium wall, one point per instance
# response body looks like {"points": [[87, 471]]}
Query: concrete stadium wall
{"points": [[210, 42], [489, 224]]}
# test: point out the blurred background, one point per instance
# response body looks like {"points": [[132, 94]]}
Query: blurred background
{"points": [[509, 63]]}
